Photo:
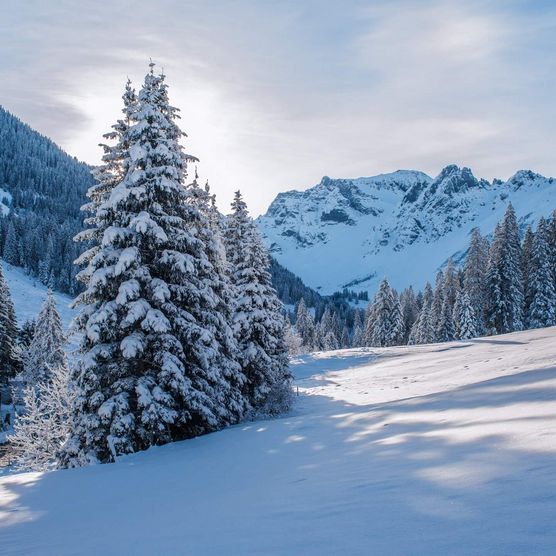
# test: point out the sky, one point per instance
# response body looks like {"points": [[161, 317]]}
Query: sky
{"points": [[276, 94]]}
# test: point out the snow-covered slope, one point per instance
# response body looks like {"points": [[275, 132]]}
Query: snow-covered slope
{"points": [[28, 295], [353, 232], [422, 450]]}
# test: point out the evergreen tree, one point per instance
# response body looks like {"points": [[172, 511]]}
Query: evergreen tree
{"points": [[345, 339], [384, 326], [44, 427], [26, 333], [466, 323], [115, 164], [292, 340], [474, 276], [526, 258], [423, 331], [504, 280], [410, 312], [437, 301], [258, 315], [358, 339], [451, 283], [10, 360], [445, 327], [542, 307], [151, 366], [326, 336], [222, 369], [46, 350], [305, 326], [11, 246]]}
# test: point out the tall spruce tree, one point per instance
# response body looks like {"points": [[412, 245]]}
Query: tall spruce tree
{"points": [[358, 337], [410, 311], [150, 370], [305, 326], [504, 278], [445, 327], [384, 326], [326, 332], [526, 261], [10, 359], [423, 331], [46, 350], [258, 315], [465, 319], [542, 298], [474, 276]]}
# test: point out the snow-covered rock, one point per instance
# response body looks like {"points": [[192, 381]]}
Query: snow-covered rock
{"points": [[404, 225]]}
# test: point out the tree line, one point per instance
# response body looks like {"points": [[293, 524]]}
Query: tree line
{"points": [[503, 285]]}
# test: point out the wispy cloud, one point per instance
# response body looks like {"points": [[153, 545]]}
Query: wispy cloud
{"points": [[273, 95]]}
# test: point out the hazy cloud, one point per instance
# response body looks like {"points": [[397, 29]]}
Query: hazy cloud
{"points": [[276, 94]]}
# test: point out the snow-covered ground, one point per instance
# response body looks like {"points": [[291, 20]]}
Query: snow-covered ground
{"points": [[29, 293], [441, 449]]}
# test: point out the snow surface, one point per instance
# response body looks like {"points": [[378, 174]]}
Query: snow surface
{"points": [[438, 449], [402, 226], [5, 201], [28, 295]]}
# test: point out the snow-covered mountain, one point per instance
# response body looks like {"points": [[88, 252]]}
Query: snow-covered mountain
{"points": [[404, 225]]}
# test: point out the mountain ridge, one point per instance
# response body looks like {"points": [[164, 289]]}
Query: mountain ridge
{"points": [[371, 227]]}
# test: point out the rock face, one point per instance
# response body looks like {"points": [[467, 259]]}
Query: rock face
{"points": [[404, 225]]}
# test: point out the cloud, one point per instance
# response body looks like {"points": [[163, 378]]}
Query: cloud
{"points": [[274, 95]]}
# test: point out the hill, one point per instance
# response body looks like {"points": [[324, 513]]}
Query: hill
{"points": [[436, 449]]}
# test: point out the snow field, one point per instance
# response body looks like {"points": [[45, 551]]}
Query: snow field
{"points": [[436, 449]]}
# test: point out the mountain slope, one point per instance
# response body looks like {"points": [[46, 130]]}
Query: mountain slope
{"points": [[438, 449], [28, 295], [404, 225], [41, 191]]}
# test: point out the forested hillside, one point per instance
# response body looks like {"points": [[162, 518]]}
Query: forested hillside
{"points": [[44, 189]]}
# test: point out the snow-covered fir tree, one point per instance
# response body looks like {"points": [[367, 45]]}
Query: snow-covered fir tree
{"points": [[151, 368], [305, 327], [345, 338], [542, 298], [474, 275], [327, 339], [526, 257], [423, 331], [46, 350], [292, 340], [258, 315], [445, 325], [410, 311], [358, 337], [504, 279], [451, 283], [466, 323], [384, 326], [213, 359], [10, 357], [45, 425], [437, 301]]}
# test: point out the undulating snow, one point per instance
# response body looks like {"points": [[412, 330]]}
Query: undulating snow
{"points": [[393, 225], [436, 449]]}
